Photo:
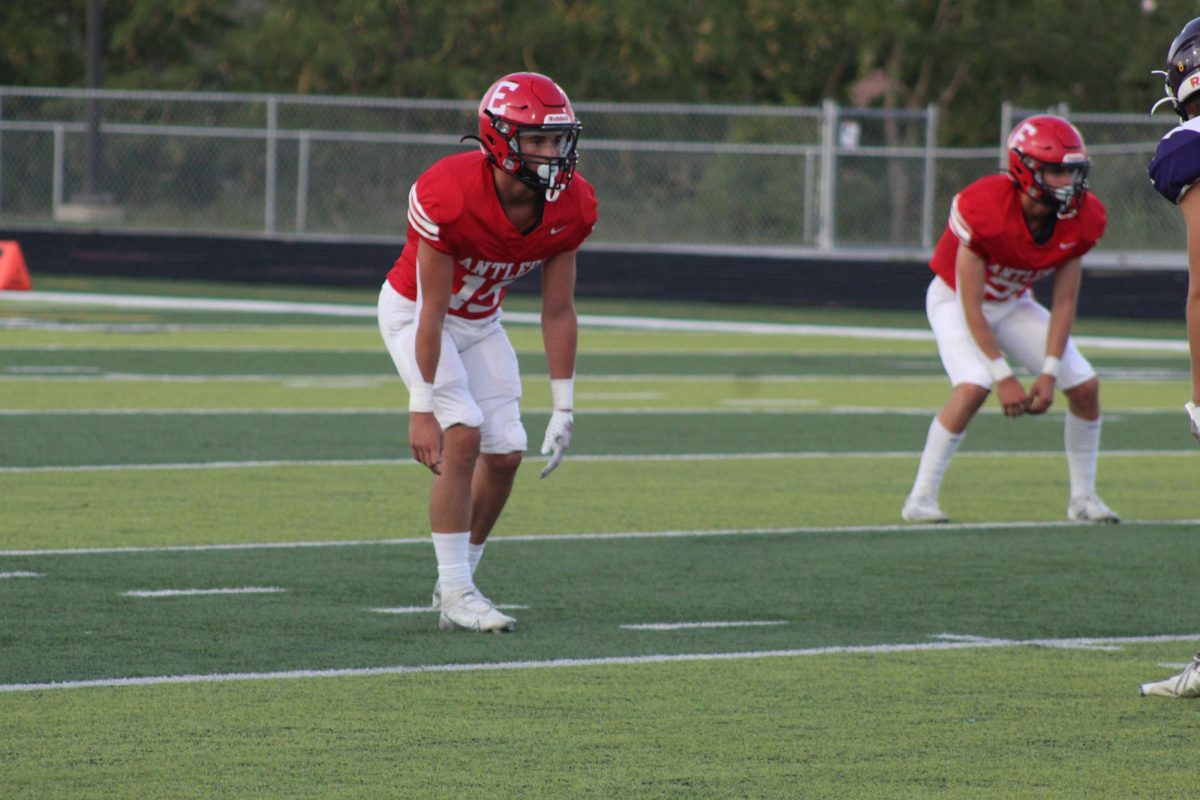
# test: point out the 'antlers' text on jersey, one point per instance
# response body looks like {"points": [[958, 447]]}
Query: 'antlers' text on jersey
{"points": [[986, 217], [453, 206]]}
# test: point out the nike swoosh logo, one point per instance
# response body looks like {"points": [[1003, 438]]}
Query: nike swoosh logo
{"points": [[1065, 245], [558, 230]]}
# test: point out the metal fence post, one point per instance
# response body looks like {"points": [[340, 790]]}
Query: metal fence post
{"points": [[302, 181], [810, 182], [56, 188], [930, 177], [828, 194], [1, 154], [269, 180], [1006, 122]]}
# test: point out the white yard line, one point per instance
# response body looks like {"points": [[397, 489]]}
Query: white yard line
{"points": [[647, 457], [199, 592], [584, 380], [583, 537], [972, 643], [7, 575], [590, 320], [682, 626], [847, 411]]}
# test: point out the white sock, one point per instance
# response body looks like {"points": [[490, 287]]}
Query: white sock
{"points": [[474, 554], [1081, 438], [454, 564], [940, 447]]}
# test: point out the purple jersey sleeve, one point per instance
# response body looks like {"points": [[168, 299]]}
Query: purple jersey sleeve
{"points": [[1176, 162]]}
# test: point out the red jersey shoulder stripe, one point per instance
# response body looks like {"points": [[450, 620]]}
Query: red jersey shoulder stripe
{"points": [[959, 225], [419, 219]]}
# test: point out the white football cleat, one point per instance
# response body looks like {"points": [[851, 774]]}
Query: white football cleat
{"points": [[1185, 684], [1090, 508], [436, 601], [471, 611], [922, 509]]}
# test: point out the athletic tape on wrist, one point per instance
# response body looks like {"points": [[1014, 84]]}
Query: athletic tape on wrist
{"points": [[420, 397], [563, 392], [1050, 366], [999, 369]]}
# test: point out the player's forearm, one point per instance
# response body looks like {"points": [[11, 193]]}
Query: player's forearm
{"points": [[1062, 316], [560, 336], [1063, 306], [428, 345], [981, 332], [1189, 206], [969, 269], [1193, 331]]}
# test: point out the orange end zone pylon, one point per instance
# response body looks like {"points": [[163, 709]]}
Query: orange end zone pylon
{"points": [[13, 273]]}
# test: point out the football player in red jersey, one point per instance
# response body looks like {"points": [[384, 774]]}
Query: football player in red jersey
{"points": [[476, 222], [1005, 232]]}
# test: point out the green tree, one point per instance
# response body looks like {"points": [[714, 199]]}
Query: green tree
{"points": [[965, 55]]}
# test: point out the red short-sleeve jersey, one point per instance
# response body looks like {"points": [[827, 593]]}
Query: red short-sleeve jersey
{"points": [[986, 217], [453, 206]]}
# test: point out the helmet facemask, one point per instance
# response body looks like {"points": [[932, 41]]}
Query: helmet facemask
{"points": [[1064, 199], [542, 157]]}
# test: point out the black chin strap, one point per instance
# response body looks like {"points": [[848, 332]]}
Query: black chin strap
{"points": [[1043, 232]]}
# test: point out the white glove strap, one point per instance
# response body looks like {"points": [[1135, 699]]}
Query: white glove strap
{"points": [[563, 392], [420, 397], [1050, 366], [999, 369]]}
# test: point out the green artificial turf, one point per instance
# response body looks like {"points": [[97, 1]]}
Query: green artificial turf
{"points": [[759, 479]]}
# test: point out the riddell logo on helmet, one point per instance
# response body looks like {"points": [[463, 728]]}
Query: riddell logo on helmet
{"points": [[1194, 82]]}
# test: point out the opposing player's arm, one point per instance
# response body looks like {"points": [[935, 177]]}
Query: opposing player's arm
{"points": [[971, 274], [1189, 206], [560, 337], [435, 274]]}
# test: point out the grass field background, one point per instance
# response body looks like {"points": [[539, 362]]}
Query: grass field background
{"points": [[715, 595]]}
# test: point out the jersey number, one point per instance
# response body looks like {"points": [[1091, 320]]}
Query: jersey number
{"points": [[471, 285]]}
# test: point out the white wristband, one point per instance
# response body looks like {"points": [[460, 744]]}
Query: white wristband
{"points": [[1050, 366], [420, 397], [999, 369], [563, 392]]}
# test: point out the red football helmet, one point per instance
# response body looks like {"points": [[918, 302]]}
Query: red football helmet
{"points": [[526, 104], [1049, 140]]}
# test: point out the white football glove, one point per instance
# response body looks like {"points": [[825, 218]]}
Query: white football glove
{"points": [[1194, 417], [558, 439]]}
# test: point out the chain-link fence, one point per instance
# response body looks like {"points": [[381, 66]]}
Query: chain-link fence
{"points": [[675, 177]]}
